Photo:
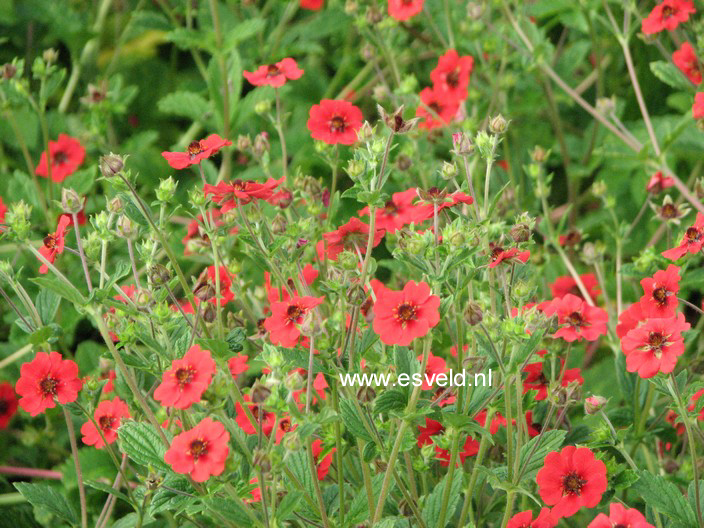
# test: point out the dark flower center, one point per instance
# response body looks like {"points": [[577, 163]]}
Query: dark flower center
{"points": [[668, 11], [406, 312], [50, 241], [260, 326], [105, 422], [272, 70], [573, 238], [692, 234], [285, 425], [60, 157], [575, 319], [656, 340], [668, 211], [435, 107], [4, 407], [198, 448], [293, 312], [572, 484], [496, 252], [337, 124], [390, 207], [660, 295], [48, 386], [453, 78], [240, 185], [184, 375], [194, 148]]}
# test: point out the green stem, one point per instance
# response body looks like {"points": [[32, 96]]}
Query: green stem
{"points": [[77, 465]]}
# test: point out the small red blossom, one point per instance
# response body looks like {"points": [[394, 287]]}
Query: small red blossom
{"points": [[660, 297], [322, 463], [200, 452], [46, 379], [108, 415], [698, 106], [571, 239], [401, 316], [267, 419], [469, 448], [667, 15], [274, 74], [351, 236], [619, 515], [537, 380], [8, 403], [285, 317], [66, 153], [499, 255], [433, 196], [187, 379], [524, 519], [436, 108], [335, 122], [496, 421], [693, 239], [196, 152], [229, 195], [577, 318], [451, 75], [564, 285], [629, 319], [655, 346], [313, 5], [238, 365], [405, 9], [435, 365], [685, 59], [400, 211], [54, 243], [571, 479], [3, 210], [658, 183]]}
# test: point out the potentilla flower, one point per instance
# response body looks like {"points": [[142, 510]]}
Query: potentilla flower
{"points": [[469, 448], [229, 195], [436, 108], [524, 519], [499, 255], [322, 463], [620, 516], [693, 239], [46, 379], [400, 211], [630, 319], [435, 365], [200, 452], [3, 210], [8, 403], [238, 365], [579, 320], [405, 9], [352, 236], [564, 285], [571, 239], [659, 299], [655, 346], [669, 211], [285, 317], [451, 75], [66, 153], [274, 74], [659, 182], [685, 59], [440, 197], [496, 421], [667, 15], [209, 279], [187, 379], [313, 5], [537, 380], [334, 122], [308, 275], [698, 106], [401, 316], [196, 152], [266, 419], [54, 243], [571, 479], [108, 415]]}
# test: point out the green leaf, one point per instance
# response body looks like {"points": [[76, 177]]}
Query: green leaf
{"points": [[539, 446], [230, 510], [167, 498], [47, 498], [390, 400], [691, 493], [670, 75], [528, 347], [142, 444], [299, 465], [47, 303], [359, 509], [353, 421], [243, 31], [433, 504], [236, 339], [70, 293], [285, 509], [664, 497], [185, 104], [107, 489]]}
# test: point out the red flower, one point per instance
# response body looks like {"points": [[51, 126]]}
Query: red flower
{"points": [[667, 15], [629, 319], [201, 451], [229, 195], [660, 297], [67, 154], [580, 320], [401, 316], [497, 421], [470, 448], [571, 239], [499, 255], [352, 236], [524, 519], [308, 275], [405, 9], [685, 59], [45, 379], [238, 365], [436, 107], [335, 122], [571, 479], [54, 243], [323, 466], [537, 380], [267, 419], [658, 183], [564, 285], [8, 403], [698, 106], [196, 152], [435, 365], [620, 516], [451, 75], [313, 5], [209, 278], [187, 379], [3, 210], [399, 211], [108, 415], [693, 239], [442, 198], [654, 346], [274, 74], [285, 317]]}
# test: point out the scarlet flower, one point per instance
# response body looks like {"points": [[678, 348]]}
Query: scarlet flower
{"points": [[196, 152], [54, 243], [580, 320], [274, 74], [537, 380], [313, 5], [571, 239], [685, 59], [570, 479], [3, 210], [524, 519], [351, 236], [267, 419], [655, 346], [629, 319], [660, 297], [451, 75], [693, 239], [334, 122], [620, 516], [564, 285], [405, 9], [399, 211], [436, 108], [435, 365], [658, 183], [285, 317], [238, 365], [432, 428], [308, 275], [66, 153], [442, 198], [209, 279], [110, 385], [667, 15], [322, 466], [200, 452], [8, 403], [108, 415], [319, 386], [229, 195], [401, 316], [496, 421], [698, 106], [45, 379], [187, 379], [499, 255]]}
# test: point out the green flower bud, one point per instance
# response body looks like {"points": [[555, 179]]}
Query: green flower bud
{"points": [[18, 220], [166, 190]]}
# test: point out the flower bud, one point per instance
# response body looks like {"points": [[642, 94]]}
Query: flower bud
{"points": [[498, 125], [448, 170], [278, 225], [539, 154], [50, 55], [473, 314], [520, 233], [196, 197], [261, 144], [462, 144], [403, 162], [71, 203], [365, 133], [159, 275], [605, 105], [355, 169], [244, 143], [92, 245], [594, 404], [115, 205], [262, 107], [166, 190], [374, 15], [18, 220], [260, 460], [8, 70], [366, 394], [210, 313], [126, 228], [475, 10], [204, 291], [142, 298], [259, 393], [348, 260], [111, 165]]}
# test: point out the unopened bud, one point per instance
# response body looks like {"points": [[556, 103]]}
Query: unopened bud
{"points": [[473, 313], [111, 165], [348, 260], [594, 404], [366, 394], [126, 228], [366, 132], [259, 393], [520, 233], [244, 143], [210, 313], [9, 70], [166, 190], [50, 55], [462, 144], [278, 225], [115, 205], [260, 460], [448, 170], [71, 203], [159, 275], [498, 125], [539, 154]]}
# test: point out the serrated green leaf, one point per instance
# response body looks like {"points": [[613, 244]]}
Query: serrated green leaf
{"points": [[107, 489], [47, 498], [69, 293], [664, 497], [539, 446], [390, 400], [433, 503], [185, 104], [353, 421], [142, 443], [670, 75], [47, 303]]}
